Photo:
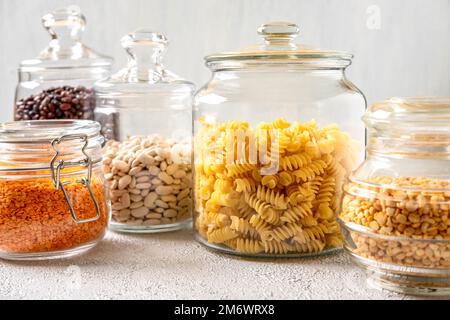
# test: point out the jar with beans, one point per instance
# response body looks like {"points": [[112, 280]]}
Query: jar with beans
{"points": [[396, 208], [146, 116], [58, 84]]}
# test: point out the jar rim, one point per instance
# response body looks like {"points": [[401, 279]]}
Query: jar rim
{"points": [[303, 63], [281, 56], [41, 131], [366, 231], [365, 185], [39, 147], [410, 111]]}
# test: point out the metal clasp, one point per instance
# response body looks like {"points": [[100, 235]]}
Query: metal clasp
{"points": [[85, 181]]}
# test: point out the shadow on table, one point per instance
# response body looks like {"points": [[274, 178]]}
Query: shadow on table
{"points": [[115, 248]]}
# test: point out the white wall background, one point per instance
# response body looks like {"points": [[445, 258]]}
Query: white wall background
{"points": [[408, 55]]}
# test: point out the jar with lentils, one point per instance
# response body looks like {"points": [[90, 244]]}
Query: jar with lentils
{"points": [[58, 84], [146, 116], [53, 200], [396, 207]]}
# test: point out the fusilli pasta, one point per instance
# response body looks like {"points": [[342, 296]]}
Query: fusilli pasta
{"points": [[278, 192]]}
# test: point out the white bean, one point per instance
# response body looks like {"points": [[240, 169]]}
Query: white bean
{"points": [[150, 199], [164, 190], [170, 213], [145, 185], [124, 181], [121, 165], [139, 212], [161, 204], [152, 222], [136, 205], [154, 216]]}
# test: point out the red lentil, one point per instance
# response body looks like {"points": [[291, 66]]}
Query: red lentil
{"points": [[34, 217]]}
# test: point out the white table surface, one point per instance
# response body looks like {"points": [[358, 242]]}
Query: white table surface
{"points": [[173, 266]]}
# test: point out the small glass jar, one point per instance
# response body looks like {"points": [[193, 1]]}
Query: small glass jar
{"points": [[146, 116], [397, 203], [53, 201], [276, 131], [58, 84]]}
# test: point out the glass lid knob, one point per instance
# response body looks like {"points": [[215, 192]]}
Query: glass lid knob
{"points": [[278, 32], [145, 46], [145, 50], [65, 24]]}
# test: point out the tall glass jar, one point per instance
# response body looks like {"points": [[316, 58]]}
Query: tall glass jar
{"points": [[58, 84], [146, 115], [397, 203], [53, 200], [277, 131]]}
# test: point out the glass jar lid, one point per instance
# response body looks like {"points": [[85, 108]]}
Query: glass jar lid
{"points": [[145, 72], [395, 113], [45, 131], [65, 50], [43, 144], [279, 46]]}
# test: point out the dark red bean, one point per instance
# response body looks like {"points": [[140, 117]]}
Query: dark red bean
{"points": [[65, 106], [57, 103]]}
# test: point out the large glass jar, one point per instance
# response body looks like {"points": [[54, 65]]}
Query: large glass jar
{"points": [[397, 203], [58, 84], [146, 115], [277, 129], [53, 200]]}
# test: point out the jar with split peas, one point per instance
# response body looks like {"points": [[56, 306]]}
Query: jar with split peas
{"points": [[53, 201], [396, 208], [276, 132], [58, 84], [146, 115]]}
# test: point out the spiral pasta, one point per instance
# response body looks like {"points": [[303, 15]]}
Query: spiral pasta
{"points": [[243, 227], [245, 185], [276, 247], [274, 188], [313, 246], [276, 199], [221, 235], [295, 161], [248, 246]]}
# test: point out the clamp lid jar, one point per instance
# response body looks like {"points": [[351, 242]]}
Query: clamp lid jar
{"points": [[146, 115], [396, 205], [58, 84], [53, 198]]}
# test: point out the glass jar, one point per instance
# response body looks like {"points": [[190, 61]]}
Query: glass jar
{"points": [[146, 116], [58, 83], [53, 200], [396, 206], [276, 131]]}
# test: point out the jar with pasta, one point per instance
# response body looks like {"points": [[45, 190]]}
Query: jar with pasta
{"points": [[146, 116], [276, 132], [53, 201], [395, 211]]}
